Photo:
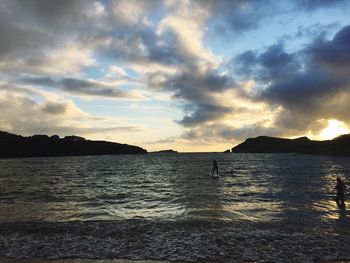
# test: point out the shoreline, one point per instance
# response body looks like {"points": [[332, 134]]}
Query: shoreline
{"points": [[5, 259]]}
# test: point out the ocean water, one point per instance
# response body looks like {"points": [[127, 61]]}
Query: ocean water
{"points": [[264, 207]]}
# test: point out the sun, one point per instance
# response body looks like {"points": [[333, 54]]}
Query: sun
{"points": [[334, 129]]}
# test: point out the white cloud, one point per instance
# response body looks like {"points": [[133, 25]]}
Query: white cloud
{"points": [[127, 11], [117, 71], [30, 111], [67, 60], [146, 66], [99, 9], [187, 20], [147, 22]]}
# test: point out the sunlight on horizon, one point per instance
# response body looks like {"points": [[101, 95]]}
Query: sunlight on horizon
{"points": [[334, 129]]}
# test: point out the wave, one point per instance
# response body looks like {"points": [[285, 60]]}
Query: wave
{"points": [[188, 240]]}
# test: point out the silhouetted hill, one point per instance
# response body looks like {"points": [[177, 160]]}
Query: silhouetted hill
{"points": [[264, 144], [166, 151], [12, 145]]}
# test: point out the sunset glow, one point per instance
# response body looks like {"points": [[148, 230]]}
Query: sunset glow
{"points": [[187, 75], [334, 129]]}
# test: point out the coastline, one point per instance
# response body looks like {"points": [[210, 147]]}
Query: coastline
{"points": [[86, 260], [4, 259]]}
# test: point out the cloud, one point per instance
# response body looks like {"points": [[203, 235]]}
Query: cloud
{"points": [[240, 16], [186, 21], [315, 31], [308, 92], [197, 90], [335, 54], [316, 4], [205, 113], [224, 133], [29, 112], [52, 107], [32, 25], [175, 60], [232, 19], [23, 113], [103, 49], [129, 12], [118, 71], [43, 37], [59, 16], [84, 131], [16, 40], [273, 63], [83, 87], [175, 41]]}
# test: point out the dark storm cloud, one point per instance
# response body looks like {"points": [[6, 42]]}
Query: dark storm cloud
{"points": [[245, 65], [309, 91], [193, 85], [303, 90], [46, 14], [335, 54], [78, 86], [272, 64], [27, 26], [38, 36], [275, 57], [55, 107], [15, 39], [141, 45], [196, 88], [204, 113], [320, 78]]}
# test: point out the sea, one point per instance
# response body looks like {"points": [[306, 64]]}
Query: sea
{"points": [[167, 207]]}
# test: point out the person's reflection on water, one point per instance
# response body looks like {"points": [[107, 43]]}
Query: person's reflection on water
{"points": [[340, 187]]}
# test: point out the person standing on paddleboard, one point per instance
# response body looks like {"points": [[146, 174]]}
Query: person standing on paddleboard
{"points": [[340, 187], [215, 168]]}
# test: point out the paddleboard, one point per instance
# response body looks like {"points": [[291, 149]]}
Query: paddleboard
{"points": [[214, 175], [341, 207]]}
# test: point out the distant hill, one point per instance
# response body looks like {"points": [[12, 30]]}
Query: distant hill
{"points": [[166, 151], [12, 145], [264, 144]]}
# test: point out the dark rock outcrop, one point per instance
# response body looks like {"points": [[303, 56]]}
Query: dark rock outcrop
{"points": [[12, 145], [264, 144]]}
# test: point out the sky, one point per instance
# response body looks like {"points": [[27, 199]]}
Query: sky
{"points": [[185, 75]]}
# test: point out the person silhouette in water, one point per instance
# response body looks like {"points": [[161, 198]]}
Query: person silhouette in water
{"points": [[215, 168], [340, 187]]}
